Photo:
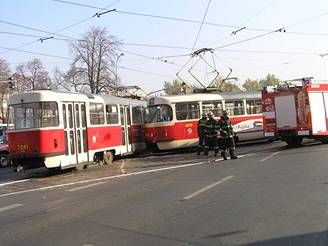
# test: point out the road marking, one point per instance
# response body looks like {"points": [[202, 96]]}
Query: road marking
{"points": [[104, 178], [206, 188], [14, 182], [86, 186], [10, 207], [270, 156], [239, 156], [109, 177]]}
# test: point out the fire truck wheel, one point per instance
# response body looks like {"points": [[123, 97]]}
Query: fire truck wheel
{"points": [[294, 141], [4, 160], [324, 140], [108, 157]]}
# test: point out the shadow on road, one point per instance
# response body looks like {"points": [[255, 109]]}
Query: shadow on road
{"points": [[308, 239], [224, 234]]}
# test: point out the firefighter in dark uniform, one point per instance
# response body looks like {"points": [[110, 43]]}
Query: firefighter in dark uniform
{"points": [[227, 136], [201, 133], [211, 135]]}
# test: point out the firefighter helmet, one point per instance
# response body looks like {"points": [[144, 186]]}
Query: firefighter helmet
{"points": [[210, 114]]}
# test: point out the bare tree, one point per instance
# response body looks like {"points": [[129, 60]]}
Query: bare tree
{"points": [[5, 73], [95, 61], [72, 80], [32, 76]]}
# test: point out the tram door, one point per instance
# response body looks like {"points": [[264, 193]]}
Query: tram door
{"points": [[76, 146], [126, 127]]}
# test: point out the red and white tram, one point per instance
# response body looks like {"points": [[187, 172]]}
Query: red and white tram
{"points": [[172, 120], [63, 130]]}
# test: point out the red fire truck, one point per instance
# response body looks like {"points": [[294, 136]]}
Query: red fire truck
{"points": [[296, 109]]}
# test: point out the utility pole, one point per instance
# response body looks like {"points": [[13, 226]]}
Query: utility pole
{"points": [[116, 70]]}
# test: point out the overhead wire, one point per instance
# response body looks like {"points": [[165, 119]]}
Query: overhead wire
{"points": [[307, 20], [35, 53], [201, 25], [34, 36], [253, 16], [176, 47], [53, 33], [149, 57], [32, 28], [251, 38], [187, 20], [157, 46], [145, 72], [193, 21], [71, 59]]}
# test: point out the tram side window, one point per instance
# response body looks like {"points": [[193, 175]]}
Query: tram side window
{"points": [[49, 114], [181, 111], [70, 115], [137, 115], [33, 115], [158, 113], [83, 115], [96, 113], [235, 108], [213, 106], [254, 106], [187, 111], [64, 116], [111, 114]]}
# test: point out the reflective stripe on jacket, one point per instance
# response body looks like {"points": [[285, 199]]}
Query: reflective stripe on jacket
{"points": [[201, 125], [211, 127], [226, 129]]}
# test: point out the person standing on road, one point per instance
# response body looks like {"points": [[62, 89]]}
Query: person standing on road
{"points": [[201, 133], [227, 136], [211, 135]]}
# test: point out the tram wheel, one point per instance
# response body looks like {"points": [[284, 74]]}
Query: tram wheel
{"points": [[81, 166], [108, 157]]}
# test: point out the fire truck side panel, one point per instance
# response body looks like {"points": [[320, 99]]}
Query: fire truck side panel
{"points": [[303, 110], [319, 106], [285, 110], [269, 114]]}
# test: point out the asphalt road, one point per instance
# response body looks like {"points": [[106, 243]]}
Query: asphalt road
{"points": [[274, 196]]}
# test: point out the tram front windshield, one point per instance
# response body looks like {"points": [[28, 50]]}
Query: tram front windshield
{"points": [[33, 115], [159, 113]]}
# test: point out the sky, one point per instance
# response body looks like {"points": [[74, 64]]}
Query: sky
{"points": [[297, 52]]}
